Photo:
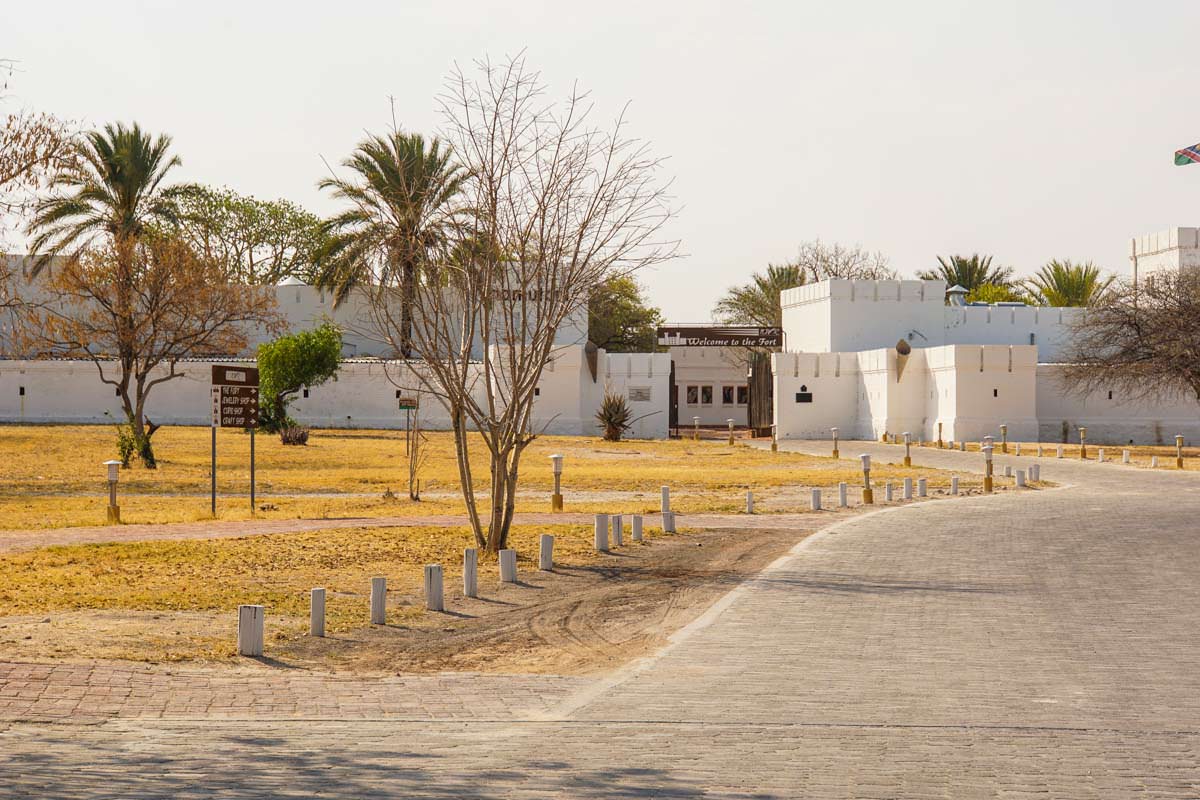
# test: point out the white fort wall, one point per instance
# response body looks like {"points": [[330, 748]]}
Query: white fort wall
{"points": [[363, 395], [1115, 419], [969, 389]]}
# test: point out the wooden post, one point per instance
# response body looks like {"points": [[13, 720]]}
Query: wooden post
{"points": [[250, 631], [601, 533], [1178, 451], [636, 535], [816, 500], [1082, 444], [378, 599], [434, 596], [987, 470], [546, 552], [508, 566], [618, 531], [470, 572], [316, 613]]}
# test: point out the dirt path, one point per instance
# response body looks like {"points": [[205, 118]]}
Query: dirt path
{"points": [[13, 541]]}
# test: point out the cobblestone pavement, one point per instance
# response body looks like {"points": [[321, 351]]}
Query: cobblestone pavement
{"points": [[1035, 644]]}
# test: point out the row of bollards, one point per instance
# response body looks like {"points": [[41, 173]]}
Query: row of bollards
{"points": [[603, 523], [251, 617]]}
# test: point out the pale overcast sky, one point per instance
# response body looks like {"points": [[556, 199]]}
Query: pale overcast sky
{"points": [[1024, 130]]}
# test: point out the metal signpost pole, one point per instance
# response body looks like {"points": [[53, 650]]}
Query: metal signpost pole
{"points": [[252, 471], [214, 468]]}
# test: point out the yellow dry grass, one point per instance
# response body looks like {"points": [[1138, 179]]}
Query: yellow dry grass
{"points": [[52, 476], [212, 577], [1139, 455]]}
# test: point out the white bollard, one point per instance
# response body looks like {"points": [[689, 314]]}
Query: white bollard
{"points": [[842, 495], [618, 528], [816, 500], [508, 566], [1059, 455], [470, 572], [601, 531], [666, 499], [887, 492], [1100, 455], [962, 446], [1039, 451], [546, 552], [1018, 448], [316, 612], [749, 502], [1020, 477], [378, 600], [908, 488], [250, 631], [435, 599], [1124, 456], [954, 485], [922, 488], [1008, 470], [637, 527], [1035, 472], [1153, 462], [668, 522]]}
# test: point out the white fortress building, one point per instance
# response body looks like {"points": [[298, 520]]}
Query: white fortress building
{"points": [[969, 369]]}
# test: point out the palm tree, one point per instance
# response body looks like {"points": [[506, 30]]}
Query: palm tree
{"points": [[401, 200], [969, 272], [757, 302], [114, 188], [1062, 283]]}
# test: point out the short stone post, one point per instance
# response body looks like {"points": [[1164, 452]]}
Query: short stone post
{"points": [[618, 530], [1178, 451], [1100, 455], [987, 470], [1004, 439], [1124, 456], [435, 599], [316, 612], [922, 488], [1060, 452], [508, 566], [908, 488], [749, 502], [546, 552], [1153, 462], [868, 496], [887, 492], [666, 499], [816, 500], [1020, 478], [954, 485], [470, 572], [1018, 450], [730, 421], [636, 535], [378, 601], [250, 631], [842, 495], [601, 533], [1008, 470], [1035, 472], [1039, 451], [962, 446], [668, 522]]}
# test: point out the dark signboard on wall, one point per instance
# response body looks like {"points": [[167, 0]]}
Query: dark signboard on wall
{"points": [[719, 336]]}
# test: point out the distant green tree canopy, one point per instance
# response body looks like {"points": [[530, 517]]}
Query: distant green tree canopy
{"points": [[619, 318], [291, 363], [258, 242], [995, 293], [969, 272], [757, 302], [1064, 283]]}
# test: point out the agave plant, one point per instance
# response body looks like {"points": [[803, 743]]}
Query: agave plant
{"points": [[615, 416], [1062, 283]]}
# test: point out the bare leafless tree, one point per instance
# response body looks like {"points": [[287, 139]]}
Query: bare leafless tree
{"points": [[819, 261], [1142, 341], [555, 205]]}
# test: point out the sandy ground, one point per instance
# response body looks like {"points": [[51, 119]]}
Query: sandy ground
{"points": [[574, 620]]}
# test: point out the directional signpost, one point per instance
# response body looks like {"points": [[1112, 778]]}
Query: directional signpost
{"points": [[234, 405]]}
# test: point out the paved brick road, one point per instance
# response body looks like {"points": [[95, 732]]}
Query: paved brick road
{"points": [[1041, 644]]}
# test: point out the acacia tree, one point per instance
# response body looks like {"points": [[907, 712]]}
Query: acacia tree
{"points": [[136, 310], [255, 241], [557, 204], [292, 362], [619, 318], [1142, 340]]}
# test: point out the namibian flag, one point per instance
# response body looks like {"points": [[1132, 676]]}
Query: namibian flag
{"points": [[1188, 155]]}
